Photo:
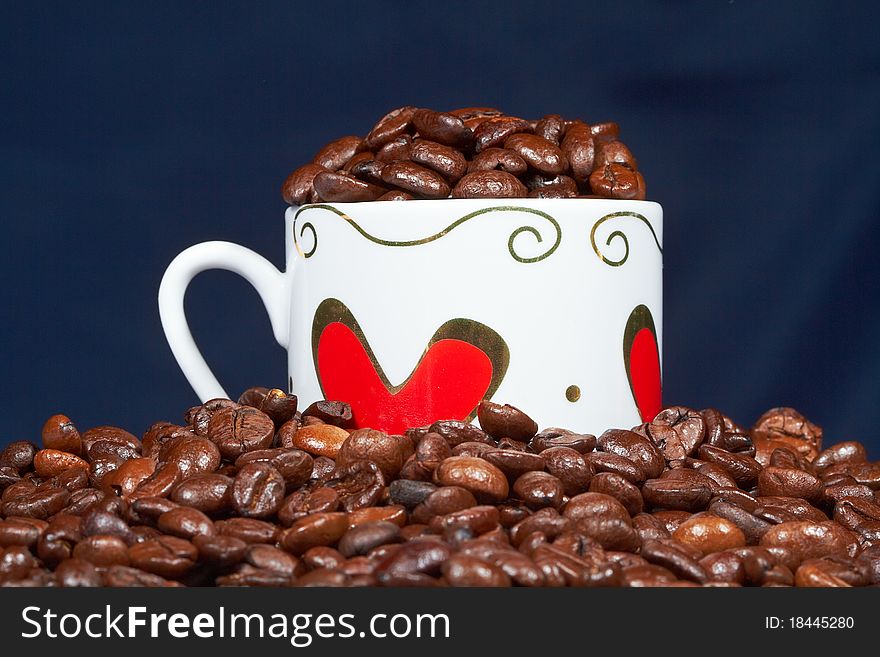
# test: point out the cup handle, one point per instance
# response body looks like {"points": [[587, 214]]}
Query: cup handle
{"points": [[269, 283]]}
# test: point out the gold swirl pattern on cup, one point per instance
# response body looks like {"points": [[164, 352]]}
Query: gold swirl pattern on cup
{"points": [[436, 236], [621, 235]]}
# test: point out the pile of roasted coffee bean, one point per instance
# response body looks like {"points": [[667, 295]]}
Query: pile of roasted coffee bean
{"points": [[254, 493], [474, 152]]}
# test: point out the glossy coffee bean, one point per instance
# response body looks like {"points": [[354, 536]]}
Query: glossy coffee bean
{"points": [[52, 462], [206, 492], [59, 433], [239, 430], [185, 522], [446, 161], [505, 421], [320, 439], [634, 447], [319, 529], [415, 179], [389, 452], [811, 540], [102, 550], [476, 475], [539, 489], [620, 489], [257, 490], [489, 183], [441, 127], [539, 153], [342, 188]]}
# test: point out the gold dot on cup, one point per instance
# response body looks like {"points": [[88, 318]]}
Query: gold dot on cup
{"points": [[572, 393]]}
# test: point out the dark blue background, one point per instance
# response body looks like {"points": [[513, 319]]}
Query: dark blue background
{"points": [[130, 132]]}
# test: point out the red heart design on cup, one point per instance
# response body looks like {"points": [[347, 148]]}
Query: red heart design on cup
{"points": [[462, 364], [642, 359]]}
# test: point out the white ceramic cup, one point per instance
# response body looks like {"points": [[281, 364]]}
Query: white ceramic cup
{"points": [[415, 311]]}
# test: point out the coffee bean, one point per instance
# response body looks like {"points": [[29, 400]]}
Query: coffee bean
{"points": [[320, 439], [396, 150], [556, 437], [257, 491], [206, 492], [415, 179], [441, 127], [505, 421], [495, 130], [185, 522], [446, 161], [539, 489], [603, 518], [513, 463], [539, 153], [102, 550], [124, 480], [500, 159], [97, 522], [331, 412], [299, 186], [220, 551], [789, 482], [389, 452], [489, 184], [167, 556], [52, 462], [845, 452], [113, 434], [60, 434], [249, 530], [620, 489], [484, 480], [579, 149], [196, 455], [559, 186], [462, 570], [342, 188], [274, 402], [570, 467], [77, 573], [18, 455], [634, 447], [21, 531], [607, 462], [551, 127], [241, 429], [319, 529], [392, 513], [811, 540], [339, 151], [677, 494], [199, 416], [294, 465], [419, 557], [304, 501], [393, 124], [744, 469], [358, 483], [788, 424], [669, 556], [410, 493], [708, 533], [365, 537]]}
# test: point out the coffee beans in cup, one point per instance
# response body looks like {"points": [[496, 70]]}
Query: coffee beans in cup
{"points": [[472, 152]]}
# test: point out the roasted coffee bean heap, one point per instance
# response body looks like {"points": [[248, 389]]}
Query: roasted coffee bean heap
{"points": [[254, 493], [474, 152]]}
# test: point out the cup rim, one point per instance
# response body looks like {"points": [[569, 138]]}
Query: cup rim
{"points": [[494, 201]]}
